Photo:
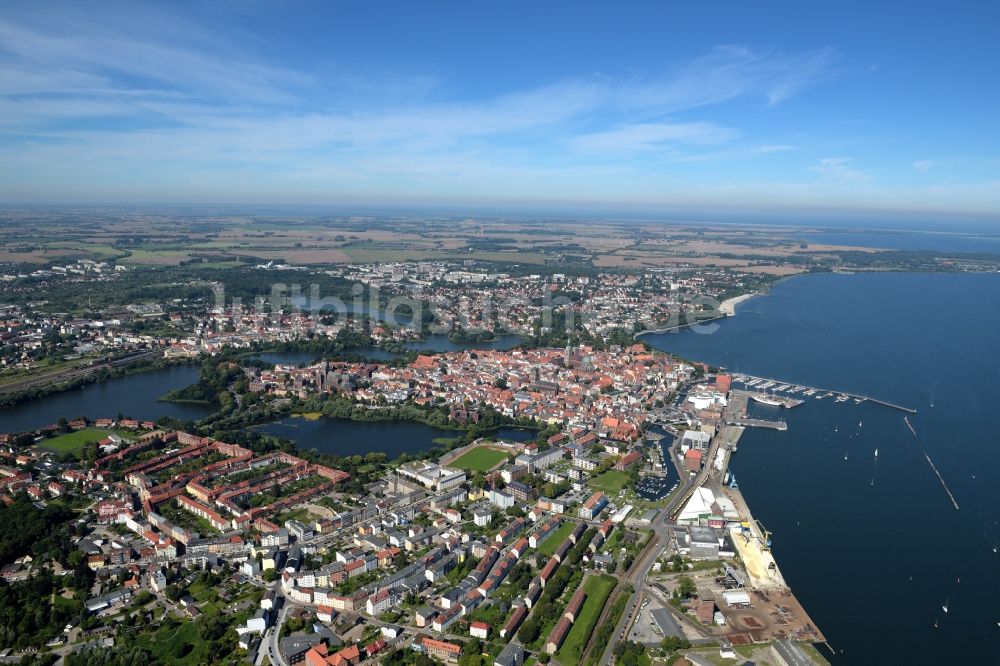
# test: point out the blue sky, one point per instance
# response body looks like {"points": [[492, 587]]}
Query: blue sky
{"points": [[770, 106]]}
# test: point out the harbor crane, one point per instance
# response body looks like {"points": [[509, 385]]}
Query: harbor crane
{"points": [[765, 536]]}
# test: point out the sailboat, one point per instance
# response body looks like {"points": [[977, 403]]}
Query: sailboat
{"points": [[859, 424], [936, 624], [945, 607], [845, 455], [876, 453]]}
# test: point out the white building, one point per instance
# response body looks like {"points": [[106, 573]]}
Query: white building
{"points": [[695, 439], [501, 499], [157, 581], [482, 516], [433, 476]]}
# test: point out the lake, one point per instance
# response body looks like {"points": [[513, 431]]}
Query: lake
{"points": [[434, 343], [440, 342], [875, 548], [346, 437], [134, 395]]}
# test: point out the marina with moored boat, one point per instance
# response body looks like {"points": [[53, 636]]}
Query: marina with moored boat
{"points": [[776, 392]]}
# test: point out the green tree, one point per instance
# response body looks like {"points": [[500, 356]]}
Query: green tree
{"points": [[685, 588]]}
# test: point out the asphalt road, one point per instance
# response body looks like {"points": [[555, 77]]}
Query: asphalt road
{"points": [[661, 534]]}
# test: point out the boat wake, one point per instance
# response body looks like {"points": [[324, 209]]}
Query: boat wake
{"points": [[931, 463]]}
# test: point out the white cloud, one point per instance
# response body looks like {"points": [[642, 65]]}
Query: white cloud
{"points": [[836, 170], [728, 72], [190, 110], [653, 136], [923, 166]]}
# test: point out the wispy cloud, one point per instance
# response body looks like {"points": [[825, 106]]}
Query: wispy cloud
{"points": [[149, 101], [653, 136], [836, 169], [923, 166], [728, 72]]}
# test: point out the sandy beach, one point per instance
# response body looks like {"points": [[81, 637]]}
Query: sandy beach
{"points": [[728, 306]]}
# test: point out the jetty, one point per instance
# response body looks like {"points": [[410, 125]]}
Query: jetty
{"points": [[757, 423], [752, 383]]}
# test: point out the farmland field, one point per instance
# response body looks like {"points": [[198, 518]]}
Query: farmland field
{"points": [[479, 459]]}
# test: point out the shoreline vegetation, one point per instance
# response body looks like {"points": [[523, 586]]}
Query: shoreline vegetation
{"points": [[81, 381]]}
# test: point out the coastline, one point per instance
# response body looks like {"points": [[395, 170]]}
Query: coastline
{"points": [[728, 306], [726, 309]]}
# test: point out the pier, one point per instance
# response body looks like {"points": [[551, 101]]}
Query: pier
{"points": [[735, 414], [772, 609], [757, 423], [752, 383]]}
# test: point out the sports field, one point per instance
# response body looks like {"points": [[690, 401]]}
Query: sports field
{"points": [[73, 442], [478, 459]]}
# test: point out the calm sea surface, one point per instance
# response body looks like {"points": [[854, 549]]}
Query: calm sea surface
{"points": [[875, 551]]}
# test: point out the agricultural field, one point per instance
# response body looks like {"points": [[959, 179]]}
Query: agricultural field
{"points": [[73, 442], [598, 589], [479, 459], [167, 238], [611, 482]]}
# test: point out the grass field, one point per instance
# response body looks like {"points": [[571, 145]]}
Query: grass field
{"points": [[549, 545], [611, 482], [73, 442], [478, 459], [186, 519], [598, 588], [182, 645], [301, 514]]}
